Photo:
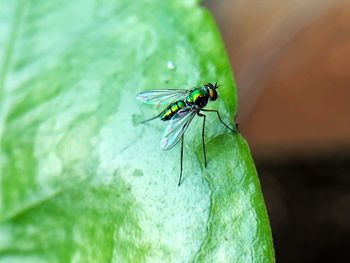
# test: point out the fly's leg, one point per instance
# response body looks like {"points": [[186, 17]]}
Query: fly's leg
{"points": [[228, 127], [151, 119], [155, 117], [203, 143], [181, 158]]}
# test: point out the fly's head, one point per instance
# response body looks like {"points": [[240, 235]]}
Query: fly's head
{"points": [[213, 94]]}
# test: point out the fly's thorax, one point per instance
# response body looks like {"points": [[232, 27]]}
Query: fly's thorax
{"points": [[198, 96], [172, 109]]}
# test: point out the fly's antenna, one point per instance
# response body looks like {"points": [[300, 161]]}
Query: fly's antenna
{"points": [[216, 85]]}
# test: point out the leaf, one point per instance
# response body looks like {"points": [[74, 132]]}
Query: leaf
{"points": [[81, 179]]}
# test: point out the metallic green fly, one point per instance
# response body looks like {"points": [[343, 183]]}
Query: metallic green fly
{"points": [[183, 105]]}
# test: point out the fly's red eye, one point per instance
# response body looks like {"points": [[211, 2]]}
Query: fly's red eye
{"points": [[213, 94]]}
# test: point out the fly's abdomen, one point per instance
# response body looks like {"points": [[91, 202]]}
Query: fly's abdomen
{"points": [[172, 109]]}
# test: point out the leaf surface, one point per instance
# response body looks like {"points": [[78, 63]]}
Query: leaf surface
{"points": [[81, 179]]}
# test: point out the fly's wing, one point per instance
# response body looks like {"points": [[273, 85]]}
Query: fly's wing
{"points": [[176, 127], [162, 96]]}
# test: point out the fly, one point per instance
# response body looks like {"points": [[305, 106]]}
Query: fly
{"points": [[183, 105]]}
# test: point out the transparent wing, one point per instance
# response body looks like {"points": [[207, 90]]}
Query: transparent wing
{"points": [[162, 96], [176, 127]]}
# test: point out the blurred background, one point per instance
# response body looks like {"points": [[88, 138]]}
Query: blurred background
{"points": [[291, 61]]}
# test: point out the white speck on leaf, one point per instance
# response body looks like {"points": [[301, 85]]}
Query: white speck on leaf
{"points": [[170, 65]]}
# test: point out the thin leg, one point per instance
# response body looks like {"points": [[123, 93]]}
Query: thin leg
{"points": [[155, 117], [203, 127], [181, 158], [228, 127], [151, 119]]}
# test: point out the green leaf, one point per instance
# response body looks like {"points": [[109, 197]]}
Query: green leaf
{"points": [[81, 179]]}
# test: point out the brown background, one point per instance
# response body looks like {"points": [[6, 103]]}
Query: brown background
{"points": [[292, 66], [291, 61]]}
